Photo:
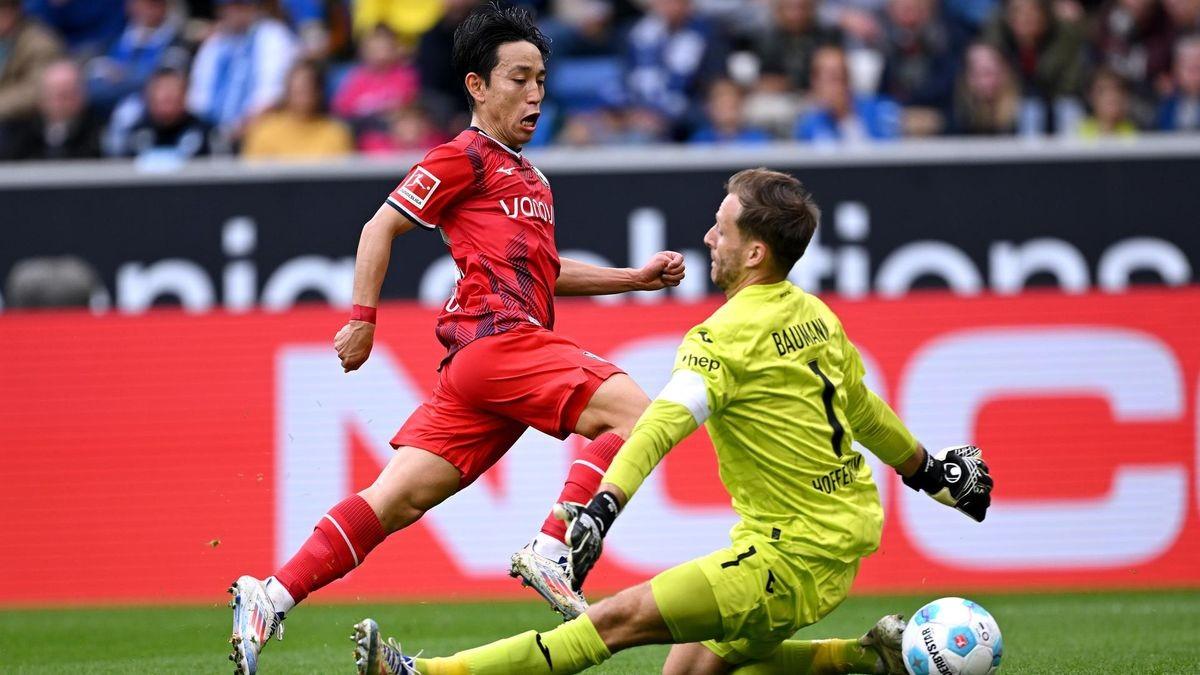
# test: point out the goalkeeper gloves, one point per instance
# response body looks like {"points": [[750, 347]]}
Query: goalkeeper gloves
{"points": [[586, 527], [956, 477]]}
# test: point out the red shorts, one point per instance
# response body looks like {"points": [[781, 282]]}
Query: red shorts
{"points": [[495, 388]]}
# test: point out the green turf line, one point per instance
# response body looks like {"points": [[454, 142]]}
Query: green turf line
{"points": [[1151, 633]]}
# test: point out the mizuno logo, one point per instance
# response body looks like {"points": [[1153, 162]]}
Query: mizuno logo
{"points": [[507, 172]]}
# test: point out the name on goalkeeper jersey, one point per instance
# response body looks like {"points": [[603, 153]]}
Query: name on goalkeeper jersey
{"points": [[840, 477], [798, 336]]}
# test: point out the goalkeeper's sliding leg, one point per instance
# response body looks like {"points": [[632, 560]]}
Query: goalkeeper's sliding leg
{"points": [[680, 606]]}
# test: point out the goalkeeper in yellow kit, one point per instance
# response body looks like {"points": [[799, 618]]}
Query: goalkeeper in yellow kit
{"points": [[780, 387]]}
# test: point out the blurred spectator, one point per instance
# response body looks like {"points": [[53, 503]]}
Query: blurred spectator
{"points": [[1180, 110], [920, 64], [409, 19], [62, 128], [1133, 38], [150, 41], [858, 19], [41, 283], [601, 126], [988, 100], [301, 127], [973, 15], [407, 128], [670, 54], [167, 132], [88, 26], [240, 69], [1109, 100], [785, 47], [441, 87], [642, 126], [726, 120], [382, 82], [1183, 15], [25, 48], [1047, 54], [838, 115], [308, 17], [582, 28]]}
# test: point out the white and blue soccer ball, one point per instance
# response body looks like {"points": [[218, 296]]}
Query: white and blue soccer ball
{"points": [[952, 636]]}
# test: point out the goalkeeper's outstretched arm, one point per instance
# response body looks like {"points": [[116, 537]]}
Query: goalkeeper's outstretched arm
{"points": [[956, 477]]}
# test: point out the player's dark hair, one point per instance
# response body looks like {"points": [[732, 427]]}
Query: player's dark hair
{"points": [[776, 210], [478, 38]]}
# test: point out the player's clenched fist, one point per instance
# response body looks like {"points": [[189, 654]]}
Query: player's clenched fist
{"points": [[956, 477], [664, 269], [353, 344]]}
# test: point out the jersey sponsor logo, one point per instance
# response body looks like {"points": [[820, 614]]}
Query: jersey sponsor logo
{"points": [[700, 362], [840, 477], [528, 207], [796, 337], [419, 187], [507, 170]]}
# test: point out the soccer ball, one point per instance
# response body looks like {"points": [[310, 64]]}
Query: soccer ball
{"points": [[952, 636]]}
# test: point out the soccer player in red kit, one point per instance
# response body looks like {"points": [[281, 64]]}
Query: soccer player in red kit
{"points": [[505, 369]]}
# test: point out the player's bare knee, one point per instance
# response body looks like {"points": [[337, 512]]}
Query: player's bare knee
{"points": [[628, 619], [395, 510]]}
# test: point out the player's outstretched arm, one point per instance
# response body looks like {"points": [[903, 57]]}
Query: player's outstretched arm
{"points": [[664, 269], [956, 477], [354, 341]]}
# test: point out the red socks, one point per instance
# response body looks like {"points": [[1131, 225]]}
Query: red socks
{"points": [[583, 478], [344, 536], [339, 543]]}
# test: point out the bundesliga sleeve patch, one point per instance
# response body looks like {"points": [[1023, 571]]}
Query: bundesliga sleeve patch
{"points": [[418, 187]]}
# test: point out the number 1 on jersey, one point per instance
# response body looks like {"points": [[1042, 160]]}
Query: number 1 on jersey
{"points": [[839, 431]]}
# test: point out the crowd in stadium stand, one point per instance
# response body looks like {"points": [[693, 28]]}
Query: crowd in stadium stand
{"points": [[167, 80]]}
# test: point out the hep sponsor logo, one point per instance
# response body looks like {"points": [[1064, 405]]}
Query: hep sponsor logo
{"points": [[419, 187], [700, 362]]}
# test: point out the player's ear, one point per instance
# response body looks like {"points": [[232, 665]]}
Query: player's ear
{"points": [[476, 87], [756, 254]]}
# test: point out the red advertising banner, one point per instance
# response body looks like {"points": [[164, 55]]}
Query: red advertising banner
{"points": [[157, 457]]}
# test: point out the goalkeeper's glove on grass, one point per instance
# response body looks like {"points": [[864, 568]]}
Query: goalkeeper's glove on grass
{"points": [[956, 477]]}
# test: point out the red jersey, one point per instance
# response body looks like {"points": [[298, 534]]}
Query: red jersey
{"points": [[496, 213]]}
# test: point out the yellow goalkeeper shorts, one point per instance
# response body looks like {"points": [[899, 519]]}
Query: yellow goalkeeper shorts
{"points": [[750, 597]]}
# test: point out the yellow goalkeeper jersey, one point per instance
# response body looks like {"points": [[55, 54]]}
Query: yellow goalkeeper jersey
{"points": [[780, 387]]}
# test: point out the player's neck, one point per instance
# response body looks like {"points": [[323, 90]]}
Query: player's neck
{"points": [[490, 131], [752, 278]]}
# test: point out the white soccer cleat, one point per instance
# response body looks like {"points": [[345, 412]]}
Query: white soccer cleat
{"points": [[254, 622], [551, 579], [373, 656], [884, 639]]}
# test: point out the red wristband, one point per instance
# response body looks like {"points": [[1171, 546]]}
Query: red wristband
{"points": [[362, 313]]}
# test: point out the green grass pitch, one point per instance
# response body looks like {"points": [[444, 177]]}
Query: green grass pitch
{"points": [[1101, 632]]}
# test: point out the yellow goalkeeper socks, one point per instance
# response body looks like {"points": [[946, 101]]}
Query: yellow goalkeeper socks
{"points": [[570, 648], [814, 657]]}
